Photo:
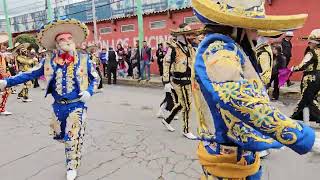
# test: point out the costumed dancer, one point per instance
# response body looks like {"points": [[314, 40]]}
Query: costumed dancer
{"points": [[242, 122], [177, 65], [24, 64], [308, 107], [4, 73], [264, 53], [92, 50], [71, 79]]}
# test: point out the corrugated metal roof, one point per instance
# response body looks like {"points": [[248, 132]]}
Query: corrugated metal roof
{"points": [[146, 13], [118, 18]]}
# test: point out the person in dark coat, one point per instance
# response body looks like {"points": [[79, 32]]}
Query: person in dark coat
{"points": [[160, 56], [279, 63], [112, 66], [287, 49]]}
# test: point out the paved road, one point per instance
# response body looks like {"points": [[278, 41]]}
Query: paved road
{"points": [[124, 141]]}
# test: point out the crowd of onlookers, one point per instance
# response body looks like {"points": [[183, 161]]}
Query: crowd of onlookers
{"points": [[128, 62]]}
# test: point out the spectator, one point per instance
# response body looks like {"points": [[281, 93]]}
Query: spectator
{"points": [[135, 61], [287, 49], [112, 66], [123, 69], [103, 59], [121, 54], [160, 56], [128, 60], [146, 61], [279, 62]]}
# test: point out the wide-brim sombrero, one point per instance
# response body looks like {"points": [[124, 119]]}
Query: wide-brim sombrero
{"points": [[314, 36], [47, 35], [185, 31], [4, 37], [270, 33], [228, 12], [89, 48], [18, 46]]}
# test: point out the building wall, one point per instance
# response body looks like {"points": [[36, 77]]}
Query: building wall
{"points": [[152, 36], [311, 7]]}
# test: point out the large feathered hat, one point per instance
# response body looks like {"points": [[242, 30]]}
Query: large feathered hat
{"points": [[248, 14], [48, 33]]}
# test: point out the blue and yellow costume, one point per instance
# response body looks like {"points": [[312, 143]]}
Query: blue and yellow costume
{"points": [[241, 121], [64, 84]]}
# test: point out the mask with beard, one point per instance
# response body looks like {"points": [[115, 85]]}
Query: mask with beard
{"points": [[66, 46]]}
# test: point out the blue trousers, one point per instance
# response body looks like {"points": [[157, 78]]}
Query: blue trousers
{"points": [[68, 126], [145, 68]]}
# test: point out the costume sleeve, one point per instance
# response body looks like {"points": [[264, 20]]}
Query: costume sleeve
{"points": [[305, 62], [167, 65], [34, 73], [265, 63], [93, 76]]}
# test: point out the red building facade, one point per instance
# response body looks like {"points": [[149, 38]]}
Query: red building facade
{"points": [[157, 27]]}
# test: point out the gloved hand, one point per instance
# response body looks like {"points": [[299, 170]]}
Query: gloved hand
{"points": [[3, 84], [168, 87], [316, 145], [85, 96]]}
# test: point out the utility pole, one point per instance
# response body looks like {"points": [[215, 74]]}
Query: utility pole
{"points": [[49, 10], [8, 24], [140, 22], [94, 19]]}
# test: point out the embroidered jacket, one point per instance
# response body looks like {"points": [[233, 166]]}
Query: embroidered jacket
{"points": [[177, 61], [242, 116], [25, 63], [84, 72], [310, 62], [265, 62]]}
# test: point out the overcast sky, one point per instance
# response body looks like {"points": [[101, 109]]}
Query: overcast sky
{"points": [[18, 7]]}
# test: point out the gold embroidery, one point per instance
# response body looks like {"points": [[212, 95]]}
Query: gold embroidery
{"points": [[70, 78], [59, 76], [237, 129], [249, 99], [55, 128]]}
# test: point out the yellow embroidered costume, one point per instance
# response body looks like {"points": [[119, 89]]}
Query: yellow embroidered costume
{"points": [[242, 121], [177, 67], [310, 83]]}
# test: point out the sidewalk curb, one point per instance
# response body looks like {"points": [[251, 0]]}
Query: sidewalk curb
{"points": [[285, 93]]}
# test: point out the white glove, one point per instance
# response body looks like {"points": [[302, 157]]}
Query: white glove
{"points": [[316, 145], [85, 96], [168, 87], [3, 84]]}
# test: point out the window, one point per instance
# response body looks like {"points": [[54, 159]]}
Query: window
{"points": [[158, 24], [191, 20], [106, 30], [127, 28]]}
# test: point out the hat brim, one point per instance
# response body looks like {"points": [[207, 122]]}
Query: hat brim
{"points": [[193, 31], [47, 35], [92, 47], [23, 45], [211, 12], [4, 37], [270, 33]]}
